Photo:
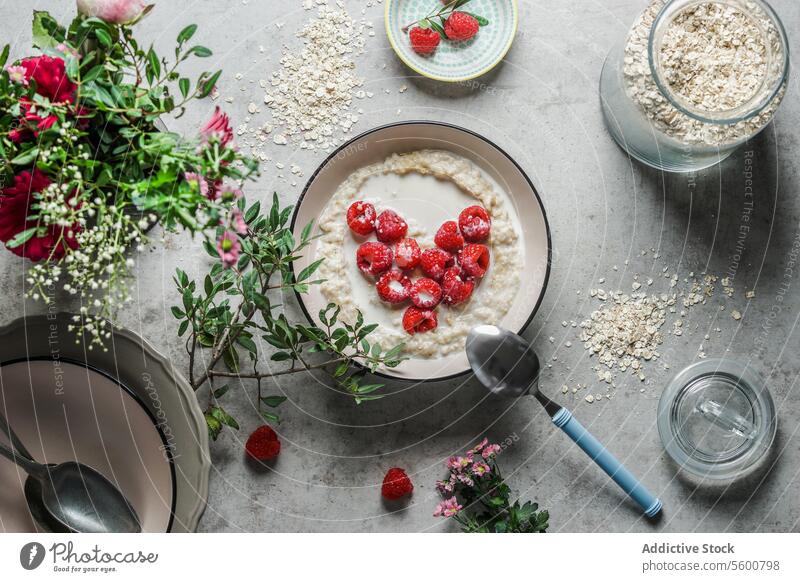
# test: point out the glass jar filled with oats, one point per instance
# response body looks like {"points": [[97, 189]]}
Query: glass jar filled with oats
{"points": [[693, 80]]}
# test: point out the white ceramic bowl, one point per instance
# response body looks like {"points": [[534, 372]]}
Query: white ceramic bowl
{"points": [[375, 146]]}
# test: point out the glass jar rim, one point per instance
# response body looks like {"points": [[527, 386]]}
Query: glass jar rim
{"points": [[747, 110]]}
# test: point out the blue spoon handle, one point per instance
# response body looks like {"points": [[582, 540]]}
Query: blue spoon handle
{"points": [[564, 420]]}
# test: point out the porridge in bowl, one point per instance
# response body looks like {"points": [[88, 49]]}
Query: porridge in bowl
{"points": [[426, 245]]}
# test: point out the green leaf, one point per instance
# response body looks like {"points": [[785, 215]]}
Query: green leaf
{"points": [[273, 401], [153, 64], [200, 51], [481, 20], [438, 28], [252, 212], [46, 31], [184, 85], [103, 37], [26, 157], [214, 426], [270, 417], [222, 416], [21, 238], [183, 327], [187, 33], [209, 84], [220, 392], [4, 55], [247, 344], [177, 312], [309, 270]]}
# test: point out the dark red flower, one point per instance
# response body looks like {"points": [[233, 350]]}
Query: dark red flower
{"points": [[263, 444], [15, 206], [50, 75], [220, 126], [396, 484]]}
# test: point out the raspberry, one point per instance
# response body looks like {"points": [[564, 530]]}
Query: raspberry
{"points": [[361, 218], [389, 227], [425, 293], [373, 258], [396, 484], [407, 253], [434, 262], [419, 320], [475, 224], [461, 26], [455, 289], [263, 444], [393, 287], [424, 41], [448, 237], [474, 260]]}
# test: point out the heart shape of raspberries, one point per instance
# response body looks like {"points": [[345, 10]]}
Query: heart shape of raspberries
{"points": [[403, 272]]}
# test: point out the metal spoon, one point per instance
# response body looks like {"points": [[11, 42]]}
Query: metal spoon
{"points": [[74, 495], [507, 365]]}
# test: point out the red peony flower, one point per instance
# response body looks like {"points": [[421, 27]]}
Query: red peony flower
{"points": [[263, 444], [50, 74], [396, 484], [15, 206], [219, 125]]}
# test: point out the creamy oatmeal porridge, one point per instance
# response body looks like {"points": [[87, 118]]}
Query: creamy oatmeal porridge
{"points": [[427, 188]]}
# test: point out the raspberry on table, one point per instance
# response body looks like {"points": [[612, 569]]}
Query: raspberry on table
{"points": [[461, 26], [407, 253], [417, 320], [393, 287], [361, 217], [448, 237], [390, 227], [373, 258], [474, 260], [434, 262], [424, 41], [475, 224], [425, 293], [455, 289], [396, 484], [263, 444]]}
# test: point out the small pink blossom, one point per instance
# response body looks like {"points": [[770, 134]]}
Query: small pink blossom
{"points": [[465, 479], [113, 11], [227, 194], [229, 248], [219, 125], [490, 451], [444, 486], [66, 50], [480, 469], [237, 222], [458, 463], [17, 74], [447, 508], [200, 181], [479, 447]]}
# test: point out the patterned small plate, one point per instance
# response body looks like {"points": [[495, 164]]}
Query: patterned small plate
{"points": [[455, 61]]}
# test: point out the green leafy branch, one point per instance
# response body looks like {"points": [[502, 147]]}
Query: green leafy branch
{"points": [[436, 18], [236, 318]]}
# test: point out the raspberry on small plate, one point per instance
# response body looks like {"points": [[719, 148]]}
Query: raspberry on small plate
{"points": [[390, 227], [417, 320], [474, 260], [424, 41], [407, 254], [455, 289], [373, 258], [393, 287], [361, 217], [434, 262], [449, 238], [475, 224], [425, 293]]}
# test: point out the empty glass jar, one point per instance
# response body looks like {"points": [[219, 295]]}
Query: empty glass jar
{"points": [[681, 107]]}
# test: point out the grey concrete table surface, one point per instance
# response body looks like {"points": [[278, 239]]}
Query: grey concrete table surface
{"points": [[542, 106]]}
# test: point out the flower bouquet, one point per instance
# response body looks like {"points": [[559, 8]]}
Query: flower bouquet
{"points": [[88, 166]]}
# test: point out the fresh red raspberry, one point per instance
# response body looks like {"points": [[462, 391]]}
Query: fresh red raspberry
{"points": [[419, 320], [474, 260], [449, 238], [475, 224], [393, 287], [263, 444], [424, 41], [461, 26], [390, 227], [373, 258], [396, 484], [434, 262], [425, 293], [455, 290], [407, 253], [361, 217]]}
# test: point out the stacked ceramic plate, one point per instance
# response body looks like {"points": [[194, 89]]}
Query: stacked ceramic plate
{"points": [[124, 412]]}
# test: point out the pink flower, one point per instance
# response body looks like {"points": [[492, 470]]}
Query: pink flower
{"points": [[465, 479], [458, 463], [237, 221], [229, 247], [219, 125], [228, 194], [114, 11], [17, 74], [490, 451], [444, 486], [479, 447], [66, 50], [480, 469], [199, 181], [447, 508]]}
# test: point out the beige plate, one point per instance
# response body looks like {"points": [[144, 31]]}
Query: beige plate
{"points": [[123, 411], [375, 146]]}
